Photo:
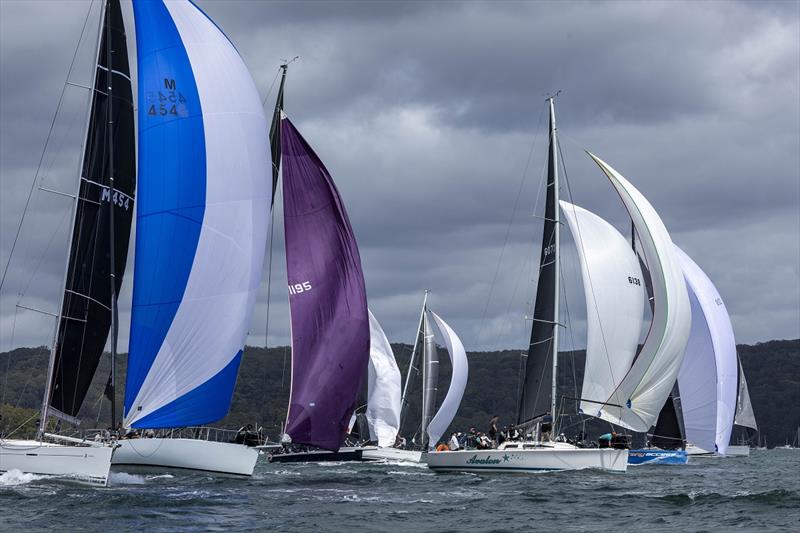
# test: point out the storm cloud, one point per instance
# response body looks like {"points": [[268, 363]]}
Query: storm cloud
{"points": [[430, 116]]}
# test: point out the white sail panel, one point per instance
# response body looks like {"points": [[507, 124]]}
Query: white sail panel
{"points": [[707, 379], [383, 388], [643, 391], [458, 382], [614, 292], [185, 357]]}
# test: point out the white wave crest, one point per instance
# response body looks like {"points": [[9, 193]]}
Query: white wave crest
{"points": [[14, 477]]}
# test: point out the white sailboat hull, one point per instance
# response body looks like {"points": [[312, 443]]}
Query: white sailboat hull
{"points": [[191, 454], [738, 451], [733, 451], [392, 454], [528, 458], [85, 464]]}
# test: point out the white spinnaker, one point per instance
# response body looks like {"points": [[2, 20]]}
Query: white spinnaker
{"points": [[383, 388], [210, 325], [707, 379], [458, 382], [645, 388], [614, 290]]}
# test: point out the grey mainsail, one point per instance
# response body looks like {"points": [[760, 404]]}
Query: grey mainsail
{"points": [[430, 377]]}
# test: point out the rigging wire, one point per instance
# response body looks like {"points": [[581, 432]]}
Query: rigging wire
{"points": [[44, 149], [8, 355], [579, 241], [523, 179]]}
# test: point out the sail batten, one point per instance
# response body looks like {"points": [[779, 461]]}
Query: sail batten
{"points": [[202, 218], [327, 299], [87, 300]]}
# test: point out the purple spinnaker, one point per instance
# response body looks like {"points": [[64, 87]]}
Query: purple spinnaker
{"points": [[327, 297]]}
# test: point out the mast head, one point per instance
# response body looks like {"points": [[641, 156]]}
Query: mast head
{"points": [[550, 97]]}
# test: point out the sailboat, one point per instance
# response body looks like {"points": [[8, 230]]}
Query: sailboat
{"points": [[432, 426], [330, 326], [619, 386], [201, 227], [98, 249], [707, 379]]}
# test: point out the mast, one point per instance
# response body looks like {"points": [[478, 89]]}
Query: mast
{"points": [[48, 387], [112, 258], [553, 164], [403, 399]]}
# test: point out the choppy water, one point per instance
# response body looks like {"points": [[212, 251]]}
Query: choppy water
{"points": [[761, 493]]}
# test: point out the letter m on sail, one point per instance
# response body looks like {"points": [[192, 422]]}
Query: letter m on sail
{"points": [[169, 84]]}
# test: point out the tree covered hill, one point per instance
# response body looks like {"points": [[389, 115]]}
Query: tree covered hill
{"points": [[261, 395]]}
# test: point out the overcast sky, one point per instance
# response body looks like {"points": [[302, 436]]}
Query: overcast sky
{"points": [[430, 118]]}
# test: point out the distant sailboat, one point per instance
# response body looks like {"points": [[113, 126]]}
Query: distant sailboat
{"points": [[202, 219], [432, 426], [330, 324], [619, 386], [98, 250]]}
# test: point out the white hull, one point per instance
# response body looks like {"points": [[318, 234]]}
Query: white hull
{"points": [[392, 454], [733, 451], [529, 457], [192, 454], [738, 451], [86, 464]]}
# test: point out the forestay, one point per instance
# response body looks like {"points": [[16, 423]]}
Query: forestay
{"points": [[327, 298], [643, 391], [707, 379], [614, 291], [204, 199], [458, 382], [383, 387]]}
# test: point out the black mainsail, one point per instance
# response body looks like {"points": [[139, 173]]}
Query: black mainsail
{"points": [[668, 431], [275, 133], [536, 397], [86, 312]]}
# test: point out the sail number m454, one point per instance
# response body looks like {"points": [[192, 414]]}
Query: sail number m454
{"points": [[298, 288]]}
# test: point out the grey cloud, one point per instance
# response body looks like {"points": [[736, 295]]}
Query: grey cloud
{"points": [[425, 114]]}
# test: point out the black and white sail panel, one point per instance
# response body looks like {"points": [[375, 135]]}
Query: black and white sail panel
{"points": [[86, 310]]}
